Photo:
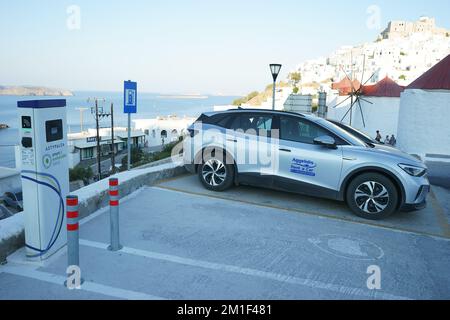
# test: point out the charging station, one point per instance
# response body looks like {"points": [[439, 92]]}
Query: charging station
{"points": [[45, 175]]}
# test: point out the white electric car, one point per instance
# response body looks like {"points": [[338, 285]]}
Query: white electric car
{"points": [[303, 154]]}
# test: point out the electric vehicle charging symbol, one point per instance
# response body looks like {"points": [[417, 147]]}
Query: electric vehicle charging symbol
{"points": [[47, 161], [131, 97]]}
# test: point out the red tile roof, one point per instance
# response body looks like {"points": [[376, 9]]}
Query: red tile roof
{"points": [[345, 86], [438, 77], [384, 88]]}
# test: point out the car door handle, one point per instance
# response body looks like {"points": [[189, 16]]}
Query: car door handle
{"points": [[285, 150], [232, 140]]}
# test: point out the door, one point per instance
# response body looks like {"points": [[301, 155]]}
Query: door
{"points": [[304, 166], [253, 150]]}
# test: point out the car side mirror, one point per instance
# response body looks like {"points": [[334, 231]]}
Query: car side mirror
{"points": [[326, 141]]}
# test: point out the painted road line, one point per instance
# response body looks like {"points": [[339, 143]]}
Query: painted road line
{"points": [[86, 286], [440, 215], [306, 282], [310, 213]]}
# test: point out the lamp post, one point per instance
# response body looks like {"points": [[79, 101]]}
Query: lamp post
{"points": [[275, 70]]}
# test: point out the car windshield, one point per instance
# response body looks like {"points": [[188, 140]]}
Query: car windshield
{"points": [[343, 133], [358, 133]]}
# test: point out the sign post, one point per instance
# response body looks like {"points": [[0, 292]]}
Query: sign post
{"points": [[129, 106]]}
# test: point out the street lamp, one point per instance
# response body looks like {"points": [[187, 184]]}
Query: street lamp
{"points": [[275, 70]]}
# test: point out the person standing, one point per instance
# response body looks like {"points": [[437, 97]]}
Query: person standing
{"points": [[387, 140], [393, 141], [378, 138]]}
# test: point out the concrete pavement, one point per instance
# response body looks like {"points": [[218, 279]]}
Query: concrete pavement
{"points": [[180, 242]]}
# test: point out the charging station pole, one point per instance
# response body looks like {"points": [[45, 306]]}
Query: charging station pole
{"points": [[129, 106]]}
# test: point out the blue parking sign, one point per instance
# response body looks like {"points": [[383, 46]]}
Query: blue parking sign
{"points": [[130, 97]]}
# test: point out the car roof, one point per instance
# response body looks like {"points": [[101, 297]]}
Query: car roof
{"points": [[241, 110]]}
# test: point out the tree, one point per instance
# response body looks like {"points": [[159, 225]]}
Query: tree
{"points": [[295, 77], [402, 77], [295, 90]]}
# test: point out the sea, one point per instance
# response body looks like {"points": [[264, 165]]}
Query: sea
{"points": [[150, 105]]}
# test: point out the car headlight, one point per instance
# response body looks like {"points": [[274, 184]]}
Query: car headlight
{"points": [[413, 170]]}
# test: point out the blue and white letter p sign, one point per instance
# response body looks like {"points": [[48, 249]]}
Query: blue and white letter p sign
{"points": [[130, 97]]}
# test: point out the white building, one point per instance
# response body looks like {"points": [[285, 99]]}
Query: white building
{"points": [[399, 29], [163, 130], [401, 55], [83, 145], [424, 120]]}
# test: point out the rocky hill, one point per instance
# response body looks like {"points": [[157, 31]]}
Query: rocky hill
{"points": [[33, 91]]}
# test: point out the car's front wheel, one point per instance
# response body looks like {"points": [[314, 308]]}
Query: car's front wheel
{"points": [[372, 196], [215, 174]]}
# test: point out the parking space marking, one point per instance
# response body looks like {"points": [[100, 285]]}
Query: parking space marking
{"points": [[315, 284], [86, 286], [440, 215], [310, 213]]}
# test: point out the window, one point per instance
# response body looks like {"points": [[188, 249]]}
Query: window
{"points": [[164, 134], [300, 130], [252, 124], [87, 153]]}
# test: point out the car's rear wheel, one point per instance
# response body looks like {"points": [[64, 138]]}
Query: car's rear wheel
{"points": [[215, 174], [372, 196]]}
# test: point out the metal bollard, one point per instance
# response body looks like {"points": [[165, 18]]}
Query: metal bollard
{"points": [[114, 214], [73, 243], [73, 251]]}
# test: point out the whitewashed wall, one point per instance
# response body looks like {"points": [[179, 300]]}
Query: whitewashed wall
{"points": [[381, 115], [424, 122]]}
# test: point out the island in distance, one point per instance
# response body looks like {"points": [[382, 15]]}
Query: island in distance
{"points": [[33, 91]]}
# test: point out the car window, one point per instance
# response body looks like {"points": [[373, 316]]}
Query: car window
{"points": [[300, 130], [223, 122], [252, 124], [19, 196]]}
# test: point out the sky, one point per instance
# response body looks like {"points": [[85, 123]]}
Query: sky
{"points": [[185, 47]]}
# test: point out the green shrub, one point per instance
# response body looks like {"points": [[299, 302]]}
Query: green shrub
{"points": [[80, 173]]}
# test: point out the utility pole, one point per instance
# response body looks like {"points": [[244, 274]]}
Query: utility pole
{"points": [[99, 167], [81, 117], [97, 125], [113, 155]]}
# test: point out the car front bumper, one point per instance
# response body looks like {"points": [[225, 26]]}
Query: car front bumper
{"points": [[420, 199]]}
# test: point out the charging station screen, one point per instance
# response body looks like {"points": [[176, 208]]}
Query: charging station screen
{"points": [[26, 122], [54, 130]]}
